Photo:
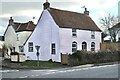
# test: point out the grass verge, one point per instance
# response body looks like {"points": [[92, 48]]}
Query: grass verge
{"points": [[42, 64]]}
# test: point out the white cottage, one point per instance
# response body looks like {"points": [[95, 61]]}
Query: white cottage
{"points": [[60, 31], [16, 34]]}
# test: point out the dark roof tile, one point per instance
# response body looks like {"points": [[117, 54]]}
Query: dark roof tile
{"points": [[68, 19]]}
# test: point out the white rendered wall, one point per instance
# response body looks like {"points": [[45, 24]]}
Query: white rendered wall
{"points": [[22, 37], [118, 36], [11, 38], [45, 33], [66, 40]]}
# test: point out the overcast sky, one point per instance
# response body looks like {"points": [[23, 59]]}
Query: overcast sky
{"points": [[25, 10]]}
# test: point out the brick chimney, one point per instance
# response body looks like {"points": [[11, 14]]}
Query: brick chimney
{"points": [[11, 21], [86, 11], [46, 5]]}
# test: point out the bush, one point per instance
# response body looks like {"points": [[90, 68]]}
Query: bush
{"points": [[80, 57], [75, 58]]}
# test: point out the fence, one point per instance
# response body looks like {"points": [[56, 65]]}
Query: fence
{"points": [[110, 46], [64, 58]]}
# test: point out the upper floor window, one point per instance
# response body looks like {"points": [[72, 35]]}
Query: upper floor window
{"points": [[84, 46], [74, 32], [21, 49], [74, 46], [17, 37], [30, 46], [92, 46], [92, 34], [53, 48]]}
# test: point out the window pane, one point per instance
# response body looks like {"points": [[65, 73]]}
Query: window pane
{"points": [[74, 32], [92, 46], [53, 45], [92, 34], [30, 49], [84, 46], [53, 48], [30, 46], [21, 49], [74, 46]]}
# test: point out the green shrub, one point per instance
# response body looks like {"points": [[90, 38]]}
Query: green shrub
{"points": [[81, 57]]}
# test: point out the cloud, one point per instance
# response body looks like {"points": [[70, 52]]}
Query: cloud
{"points": [[24, 10], [99, 4]]}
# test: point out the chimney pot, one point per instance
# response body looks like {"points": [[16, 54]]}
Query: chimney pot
{"points": [[11, 21], [86, 11], [46, 5]]}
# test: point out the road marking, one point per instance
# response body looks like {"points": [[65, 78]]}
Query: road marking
{"points": [[23, 77], [54, 71], [71, 70], [3, 71]]}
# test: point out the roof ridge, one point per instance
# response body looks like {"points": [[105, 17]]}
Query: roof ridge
{"points": [[19, 26], [66, 10]]}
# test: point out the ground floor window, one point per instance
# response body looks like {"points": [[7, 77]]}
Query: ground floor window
{"points": [[92, 46], [84, 46], [53, 48], [30, 47], [74, 46], [21, 49]]}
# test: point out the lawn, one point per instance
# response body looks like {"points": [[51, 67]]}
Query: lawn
{"points": [[42, 64]]}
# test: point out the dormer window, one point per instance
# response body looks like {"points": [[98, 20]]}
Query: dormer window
{"points": [[74, 32], [92, 34]]}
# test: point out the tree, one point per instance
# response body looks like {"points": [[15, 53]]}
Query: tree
{"points": [[4, 50], [108, 22]]}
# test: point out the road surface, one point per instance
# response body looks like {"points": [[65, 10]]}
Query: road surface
{"points": [[105, 71]]}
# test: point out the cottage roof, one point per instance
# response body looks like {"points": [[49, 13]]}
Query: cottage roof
{"points": [[29, 26], [68, 19]]}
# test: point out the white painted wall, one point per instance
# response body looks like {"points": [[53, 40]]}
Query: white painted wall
{"points": [[118, 36], [45, 33], [11, 38], [66, 40], [23, 36]]}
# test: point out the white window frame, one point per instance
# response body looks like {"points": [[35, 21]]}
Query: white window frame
{"points": [[30, 47], [21, 49], [53, 48], [74, 48], [92, 46], [74, 32], [92, 34], [84, 46], [18, 37]]}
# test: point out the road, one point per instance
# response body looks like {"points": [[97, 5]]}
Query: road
{"points": [[105, 71]]}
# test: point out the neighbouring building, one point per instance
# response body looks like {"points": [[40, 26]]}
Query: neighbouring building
{"points": [[116, 31], [16, 34], [1, 45], [62, 32]]}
